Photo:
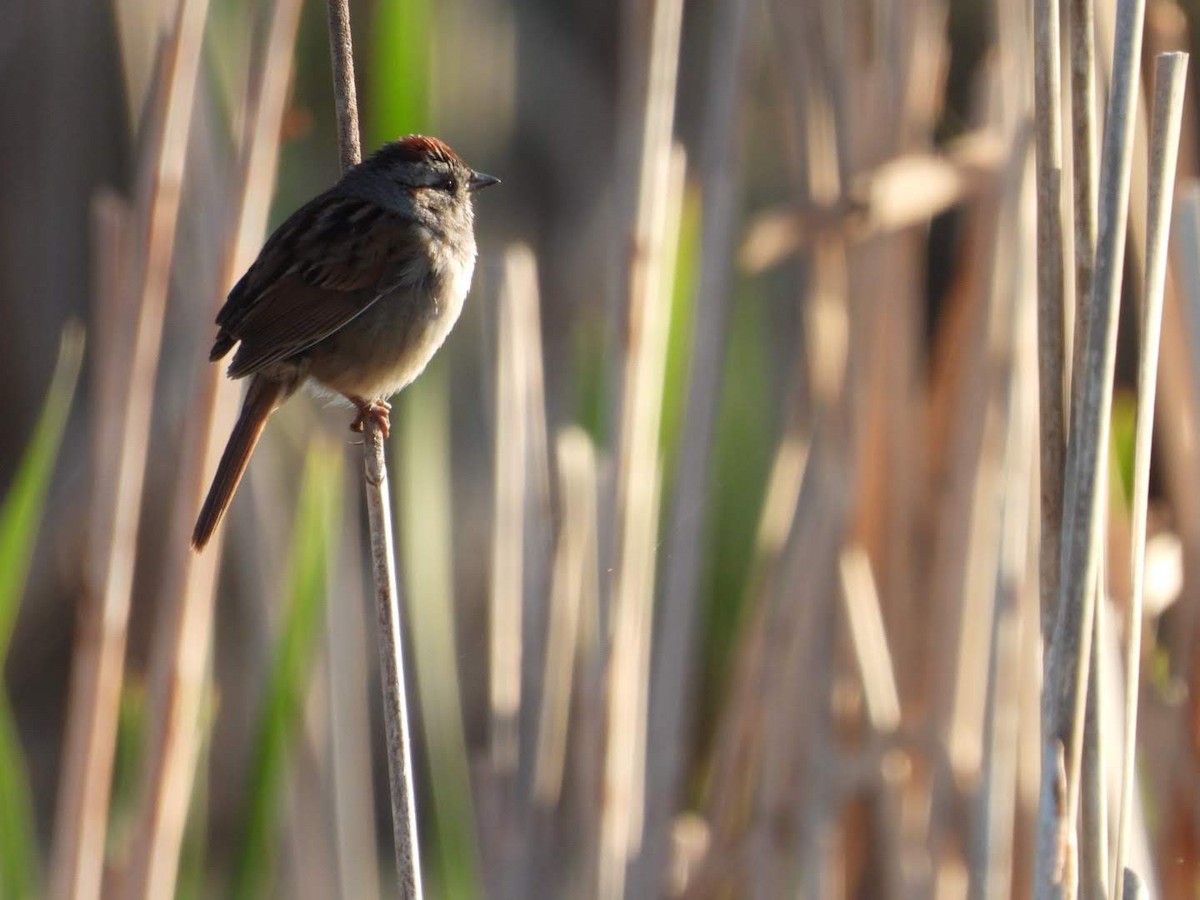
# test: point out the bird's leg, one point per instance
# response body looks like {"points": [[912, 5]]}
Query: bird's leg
{"points": [[379, 410]]}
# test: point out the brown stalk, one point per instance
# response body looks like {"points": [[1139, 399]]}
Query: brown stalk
{"points": [[98, 669], [180, 653]]}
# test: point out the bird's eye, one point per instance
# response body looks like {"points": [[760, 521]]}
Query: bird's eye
{"points": [[449, 184]]}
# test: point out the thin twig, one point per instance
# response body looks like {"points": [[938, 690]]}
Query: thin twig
{"points": [[391, 658], [1170, 75]]}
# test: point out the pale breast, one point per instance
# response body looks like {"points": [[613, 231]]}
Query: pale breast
{"points": [[381, 351]]}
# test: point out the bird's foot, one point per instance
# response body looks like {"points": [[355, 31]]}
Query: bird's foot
{"points": [[377, 410]]}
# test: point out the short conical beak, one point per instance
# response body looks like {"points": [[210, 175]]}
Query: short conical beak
{"points": [[479, 181]]}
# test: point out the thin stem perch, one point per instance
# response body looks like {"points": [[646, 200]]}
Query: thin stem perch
{"points": [[391, 657]]}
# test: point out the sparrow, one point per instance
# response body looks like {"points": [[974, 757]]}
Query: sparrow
{"points": [[350, 297]]}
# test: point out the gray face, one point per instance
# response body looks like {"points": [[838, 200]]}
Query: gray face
{"points": [[422, 178], [439, 188]]}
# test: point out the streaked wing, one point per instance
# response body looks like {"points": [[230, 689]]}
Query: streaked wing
{"points": [[326, 264]]}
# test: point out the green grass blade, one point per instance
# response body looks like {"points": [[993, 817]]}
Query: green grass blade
{"points": [[318, 521], [20, 518], [21, 513], [18, 846]]}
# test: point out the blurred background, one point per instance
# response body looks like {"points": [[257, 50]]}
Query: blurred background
{"points": [[717, 515]]}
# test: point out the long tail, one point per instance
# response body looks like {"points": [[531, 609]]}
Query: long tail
{"points": [[261, 399]]}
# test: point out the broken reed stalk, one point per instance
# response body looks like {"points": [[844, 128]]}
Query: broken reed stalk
{"points": [[81, 820], [1170, 75], [391, 654], [1069, 651]]}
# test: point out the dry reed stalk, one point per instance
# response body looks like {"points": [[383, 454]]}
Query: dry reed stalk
{"points": [[993, 871], [349, 732], [1051, 328], [868, 640], [969, 411], [1180, 458], [738, 739], [182, 646], [795, 779], [671, 690], [506, 588], [98, 668], [651, 177], [1082, 35], [1169, 79], [82, 818], [1093, 789], [379, 516], [1069, 652], [1093, 861], [573, 592], [518, 622], [522, 283], [801, 749], [639, 479]]}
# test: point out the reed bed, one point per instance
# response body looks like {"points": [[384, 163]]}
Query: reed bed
{"points": [[804, 506]]}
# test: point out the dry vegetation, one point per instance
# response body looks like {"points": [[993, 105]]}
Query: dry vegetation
{"points": [[780, 520]]}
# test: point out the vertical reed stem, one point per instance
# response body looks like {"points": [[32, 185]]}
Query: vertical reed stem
{"points": [[391, 654], [1170, 74]]}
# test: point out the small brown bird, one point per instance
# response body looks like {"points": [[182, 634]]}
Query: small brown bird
{"points": [[351, 296]]}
